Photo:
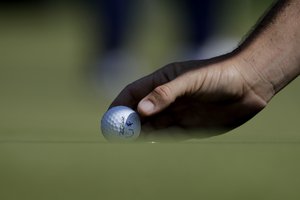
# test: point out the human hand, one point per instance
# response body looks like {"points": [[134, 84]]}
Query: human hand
{"points": [[212, 95], [222, 93]]}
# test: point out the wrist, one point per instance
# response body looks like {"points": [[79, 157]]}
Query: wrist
{"points": [[267, 67], [269, 58], [256, 80]]}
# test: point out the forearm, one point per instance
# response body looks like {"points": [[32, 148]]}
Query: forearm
{"points": [[271, 54]]}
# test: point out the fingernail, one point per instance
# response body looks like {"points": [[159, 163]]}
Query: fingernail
{"points": [[146, 106]]}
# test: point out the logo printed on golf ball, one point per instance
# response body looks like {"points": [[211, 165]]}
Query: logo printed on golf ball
{"points": [[122, 132], [120, 123]]}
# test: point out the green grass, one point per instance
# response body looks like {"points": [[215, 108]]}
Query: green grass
{"points": [[147, 171]]}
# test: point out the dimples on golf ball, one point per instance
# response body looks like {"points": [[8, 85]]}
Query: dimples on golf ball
{"points": [[120, 123]]}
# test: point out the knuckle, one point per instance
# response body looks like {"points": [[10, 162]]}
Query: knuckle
{"points": [[168, 72], [171, 66], [175, 69], [163, 93], [129, 86]]}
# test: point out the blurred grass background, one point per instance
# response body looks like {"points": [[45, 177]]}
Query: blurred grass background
{"points": [[50, 143]]}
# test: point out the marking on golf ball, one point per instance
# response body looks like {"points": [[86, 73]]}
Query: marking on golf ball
{"points": [[120, 123]]}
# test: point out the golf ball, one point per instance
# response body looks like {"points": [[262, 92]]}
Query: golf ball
{"points": [[120, 123]]}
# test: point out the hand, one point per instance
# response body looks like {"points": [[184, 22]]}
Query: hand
{"points": [[210, 95], [222, 93]]}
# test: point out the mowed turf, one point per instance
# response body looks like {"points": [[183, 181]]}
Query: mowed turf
{"points": [[51, 146]]}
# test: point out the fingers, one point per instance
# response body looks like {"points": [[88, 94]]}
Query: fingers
{"points": [[158, 90], [161, 97], [134, 92]]}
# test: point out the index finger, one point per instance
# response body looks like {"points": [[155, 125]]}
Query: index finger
{"points": [[134, 92]]}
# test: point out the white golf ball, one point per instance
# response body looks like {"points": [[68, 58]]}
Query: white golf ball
{"points": [[120, 123]]}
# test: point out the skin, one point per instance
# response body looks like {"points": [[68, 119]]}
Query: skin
{"points": [[222, 93]]}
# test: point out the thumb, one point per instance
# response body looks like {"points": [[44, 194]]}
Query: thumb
{"points": [[161, 97]]}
